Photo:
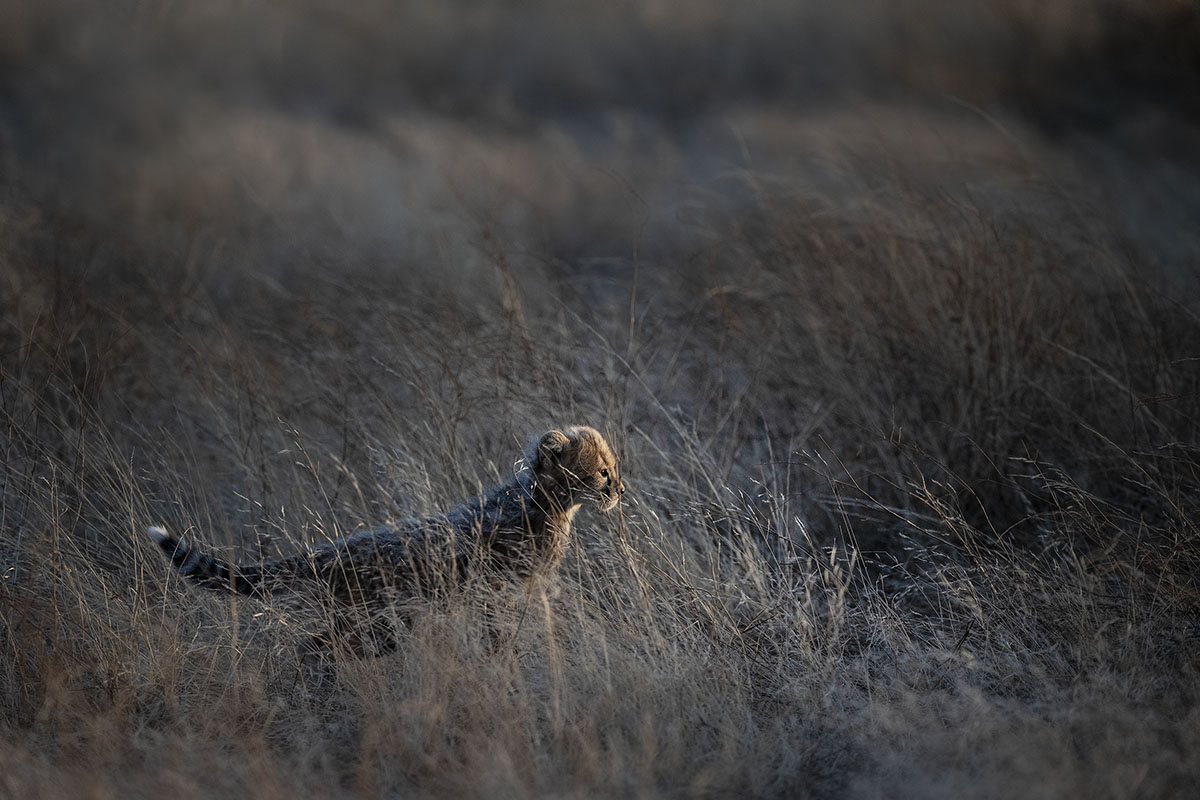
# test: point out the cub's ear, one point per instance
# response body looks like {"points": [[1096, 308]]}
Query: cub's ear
{"points": [[547, 448]]}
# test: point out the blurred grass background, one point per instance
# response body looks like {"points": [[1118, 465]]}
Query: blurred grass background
{"points": [[890, 310]]}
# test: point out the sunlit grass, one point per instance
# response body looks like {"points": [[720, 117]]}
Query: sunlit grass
{"points": [[905, 395]]}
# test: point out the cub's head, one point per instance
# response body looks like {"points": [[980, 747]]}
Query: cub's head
{"points": [[577, 465]]}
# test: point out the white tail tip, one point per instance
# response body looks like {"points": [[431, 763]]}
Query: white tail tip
{"points": [[158, 534]]}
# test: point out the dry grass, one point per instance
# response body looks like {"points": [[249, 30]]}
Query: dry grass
{"points": [[897, 338]]}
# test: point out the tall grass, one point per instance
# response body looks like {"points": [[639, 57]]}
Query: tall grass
{"points": [[904, 391]]}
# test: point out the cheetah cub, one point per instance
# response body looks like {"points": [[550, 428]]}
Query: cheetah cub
{"points": [[362, 582]]}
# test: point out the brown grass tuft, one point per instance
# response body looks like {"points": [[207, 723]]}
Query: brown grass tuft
{"points": [[896, 334]]}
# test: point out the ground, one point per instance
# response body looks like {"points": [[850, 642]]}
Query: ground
{"points": [[890, 311]]}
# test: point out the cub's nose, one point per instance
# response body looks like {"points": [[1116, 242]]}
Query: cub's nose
{"points": [[620, 487]]}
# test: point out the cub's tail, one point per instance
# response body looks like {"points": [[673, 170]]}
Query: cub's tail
{"points": [[205, 569]]}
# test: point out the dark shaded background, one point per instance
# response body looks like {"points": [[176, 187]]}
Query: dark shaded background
{"points": [[891, 311]]}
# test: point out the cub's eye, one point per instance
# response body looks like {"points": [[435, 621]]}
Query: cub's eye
{"points": [[604, 472]]}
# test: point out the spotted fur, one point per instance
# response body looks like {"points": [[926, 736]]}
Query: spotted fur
{"points": [[521, 528]]}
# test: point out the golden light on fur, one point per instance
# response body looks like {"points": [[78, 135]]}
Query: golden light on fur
{"points": [[521, 528]]}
